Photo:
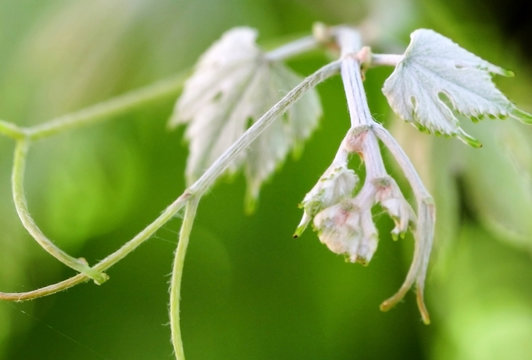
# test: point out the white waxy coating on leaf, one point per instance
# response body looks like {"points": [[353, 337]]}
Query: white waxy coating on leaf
{"points": [[232, 86], [437, 82]]}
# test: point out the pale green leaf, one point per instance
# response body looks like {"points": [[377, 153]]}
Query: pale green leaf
{"points": [[233, 84], [437, 82], [499, 182]]}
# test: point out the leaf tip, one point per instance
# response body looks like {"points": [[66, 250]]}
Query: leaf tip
{"points": [[250, 204], [422, 308], [507, 73], [299, 230], [386, 305], [522, 116], [171, 124], [468, 139]]}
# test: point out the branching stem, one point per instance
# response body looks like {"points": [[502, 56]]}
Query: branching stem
{"points": [[11, 130], [349, 42], [110, 260], [424, 229], [114, 107], [197, 189], [404, 162], [221, 164], [19, 165], [357, 103]]}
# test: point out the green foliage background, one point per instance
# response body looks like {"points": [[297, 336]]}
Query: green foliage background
{"points": [[250, 291]]}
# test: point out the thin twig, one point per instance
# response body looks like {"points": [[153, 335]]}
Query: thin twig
{"points": [[19, 165], [293, 48], [349, 42], [221, 164], [420, 191], [109, 261], [424, 232], [202, 185], [11, 130], [105, 110], [177, 276]]}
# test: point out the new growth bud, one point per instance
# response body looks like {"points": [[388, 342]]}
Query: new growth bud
{"points": [[337, 183], [347, 228], [343, 219], [389, 196]]}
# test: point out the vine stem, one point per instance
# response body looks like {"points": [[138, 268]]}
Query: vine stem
{"points": [[350, 45], [402, 159], [109, 261], [107, 109], [293, 48], [220, 165], [424, 230], [198, 188], [352, 55], [177, 276], [122, 103], [11, 130], [19, 165]]}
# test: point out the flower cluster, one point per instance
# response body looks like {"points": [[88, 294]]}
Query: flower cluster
{"points": [[341, 212], [342, 215], [343, 219]]}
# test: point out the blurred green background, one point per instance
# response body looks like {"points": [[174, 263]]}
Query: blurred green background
{"points": [[250, 291]]}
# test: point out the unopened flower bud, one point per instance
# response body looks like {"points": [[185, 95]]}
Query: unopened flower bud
{"points": [[349, 230], [336, 184], [389, 196]]}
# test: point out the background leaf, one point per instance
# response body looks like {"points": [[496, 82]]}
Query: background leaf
{"points": [[233, 84]]}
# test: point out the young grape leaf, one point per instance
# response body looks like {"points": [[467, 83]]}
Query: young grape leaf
{"points": [[233, 84], [437, 82]]}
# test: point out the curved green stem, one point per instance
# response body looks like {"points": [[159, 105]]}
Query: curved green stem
{"points": [[145, 234], [107, 109], [90, 115], [46, 290], [109, 261], [197, 189], [19, 165], [11, 130], [177, 276], [219, 166]]}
